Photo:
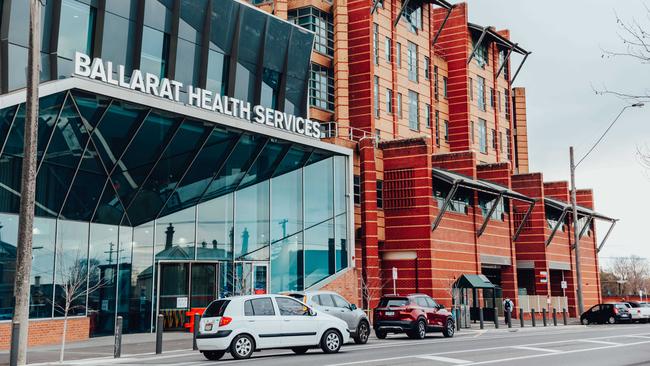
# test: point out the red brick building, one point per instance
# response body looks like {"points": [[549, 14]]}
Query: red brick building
{"points": [[426, 99]]}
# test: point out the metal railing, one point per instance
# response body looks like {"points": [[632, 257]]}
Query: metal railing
{"points": [[528, 302]]}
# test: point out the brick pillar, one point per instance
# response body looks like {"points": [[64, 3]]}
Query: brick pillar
{"points": [[369, 243], [280, 8], [341, 67]]}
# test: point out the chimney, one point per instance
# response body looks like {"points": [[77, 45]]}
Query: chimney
{"points": [[169, 236]]}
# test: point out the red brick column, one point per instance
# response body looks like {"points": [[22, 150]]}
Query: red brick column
{"points": [[368, 241]]}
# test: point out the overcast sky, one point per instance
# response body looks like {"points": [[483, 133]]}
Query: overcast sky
{"points": [[567, 39]]}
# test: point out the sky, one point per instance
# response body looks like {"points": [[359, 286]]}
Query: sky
{"points": [[567, 39]]}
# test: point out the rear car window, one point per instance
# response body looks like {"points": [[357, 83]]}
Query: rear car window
{"points": [[259, 307], [634, 305], [216, 308], [393, 302], [622, 306]]}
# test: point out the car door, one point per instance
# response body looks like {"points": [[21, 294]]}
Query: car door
{"points": [[606, 310], [261, 319], [327, 304], [342, 307], [428, 313], [299, 327], [592, 314], [439, 317]]}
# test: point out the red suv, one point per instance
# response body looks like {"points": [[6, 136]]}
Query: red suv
{"points": [[414, 315]]}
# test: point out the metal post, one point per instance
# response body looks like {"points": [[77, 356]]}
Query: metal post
{"points": [[458, 320], [564, 316], [532, 313], [576, 239], [496, 318], [480, 317], [117, 345], [15, 336], [197, 321], [159, 334], [521, 317], [554, 317], [509, 318], [28, 188], [544, 316]]}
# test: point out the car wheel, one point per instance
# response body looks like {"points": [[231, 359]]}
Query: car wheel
{"points": [[331, 341], [300, 350], [584, 321], [242, 347], [363, 331], [420, 330], [611, 320], [449, 330], [381, 334], [213, 355]]}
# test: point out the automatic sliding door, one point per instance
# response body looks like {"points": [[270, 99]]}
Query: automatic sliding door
{"points": [[204, 284], [174, 294]]}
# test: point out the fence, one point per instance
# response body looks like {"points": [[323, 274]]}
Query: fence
{"points": [[528, 302]]}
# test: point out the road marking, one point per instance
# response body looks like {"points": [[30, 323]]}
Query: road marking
{"points": [[638, 336], [598, 342], [454, 361], [536, 349]]}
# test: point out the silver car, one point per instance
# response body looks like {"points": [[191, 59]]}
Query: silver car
{"points": [[334, 304]]}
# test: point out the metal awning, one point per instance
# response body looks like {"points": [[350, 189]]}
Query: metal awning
{"points": [[442, 3], [460, 180], [473, 281]]}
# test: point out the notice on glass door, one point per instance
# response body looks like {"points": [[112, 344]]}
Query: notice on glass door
{"points": [[181, 302]]}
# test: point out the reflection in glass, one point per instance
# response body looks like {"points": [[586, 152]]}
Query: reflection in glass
{"points": [[286, 210], [71, 267], [252, 222], [320, 261], [155, 48], [341, 242], [124, 274], [175, 235], [204, 278], [8, 244], [215, 228], [286, 263], [76, 28], [117, 45], [319, 192], [141, 280], [270, 88], [42, 276], [340, 189], [102, 259], [188, 57], [174, 294], [217, 78]]}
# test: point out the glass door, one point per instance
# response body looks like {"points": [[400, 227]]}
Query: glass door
{"points": [[174, 294], [204, 284], [251, 278]]}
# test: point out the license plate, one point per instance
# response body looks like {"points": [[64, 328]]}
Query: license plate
{"points": [[390, 313]]}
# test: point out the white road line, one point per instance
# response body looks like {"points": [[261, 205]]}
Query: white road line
{"points": [[598, 342], [454, 361], [638, 336], [536, 349]]}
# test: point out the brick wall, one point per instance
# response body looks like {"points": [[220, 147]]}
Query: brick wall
{"points": [[347, 285], [48, 332], [369, 259]]}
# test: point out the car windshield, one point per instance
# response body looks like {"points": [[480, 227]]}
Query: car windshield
{"points": [[634, 305], [393, 302], [622, 306], [216, 308]]}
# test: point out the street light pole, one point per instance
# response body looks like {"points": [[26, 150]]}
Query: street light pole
{"points": [[576, 234]]}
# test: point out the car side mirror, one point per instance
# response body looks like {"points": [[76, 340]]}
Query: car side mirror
{"points": [[312, 312], [440, 306], [353, 307]]}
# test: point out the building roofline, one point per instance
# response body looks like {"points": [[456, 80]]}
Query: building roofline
{"points": [[496, 37]]}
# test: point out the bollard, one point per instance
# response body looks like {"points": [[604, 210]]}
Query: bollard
{"points": [[496, 318], [564, 316], [544, 316], [159, 334], [480, 317], [509, 318], [197, 323], [532, 313], [117, 345], [554, 317], [521, 317], [458, 321], [15, 336]]}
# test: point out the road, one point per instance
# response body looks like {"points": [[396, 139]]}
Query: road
{"points": [[595, 345]]}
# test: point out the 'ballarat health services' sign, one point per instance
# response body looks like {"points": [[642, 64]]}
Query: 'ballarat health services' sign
{"points": [[197, 97]]}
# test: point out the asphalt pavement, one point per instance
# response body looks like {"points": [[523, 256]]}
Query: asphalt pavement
{"points": [[619, 344]]}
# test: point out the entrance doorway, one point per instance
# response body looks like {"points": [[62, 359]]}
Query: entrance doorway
{"points": [[193, 285]]}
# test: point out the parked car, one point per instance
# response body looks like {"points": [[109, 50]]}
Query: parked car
{"points": [[414, 315], [640, 311], [606, 313], [244, 324], [336, 305]]}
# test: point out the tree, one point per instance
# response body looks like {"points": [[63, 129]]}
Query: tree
{"points": [[73, 285], [634, 270], [371, 289]]}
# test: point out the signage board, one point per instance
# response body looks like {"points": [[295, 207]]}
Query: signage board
{"points": [[181, 302], [564, 285], [394, 273], [543, 276]]}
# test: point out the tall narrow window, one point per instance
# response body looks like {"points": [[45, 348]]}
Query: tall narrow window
{"points": [[471, 89], [508, 144], [376, 95], [357, 189], [389, 49], [375, 42], [321, 87], [506, 96], [444, 86], [414, 118], [492, 96], [446, 131], [399, 105], [427, 68], [389, 101], [499, 101], [320, 23], [380, 193], [482, 135], [155, 50], [412, 59], [435, 82], [437, 122], [494, 139], [481, 93], [472, 133], [398, 54], [76, 29], [503, 143], [427, 115]]}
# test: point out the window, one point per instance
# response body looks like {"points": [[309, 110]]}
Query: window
{"points": [[413, 14], [471, 89], [446, 124], [380, 194], [216, 308], [422, 302], [508, 144], [502, 60], [320, 23], [414, 117], [412, 60], [503, 145], [432, 304], [482, 135], [471, 127], [506, 95], [444, 86], [435, 82], [389, 101], [437, 122], [494, 139], [76, 29], [291, 307], [427, 68], [259, 307], [389, 50], [357, 189], [398, 54], [459, 203], [498, 101], [325, 300], [321, 87], [375, 94], [481, 93], [481, 54], [486, 202], [340, 302], [375, 42], [427, 115], [399, 105], [492, 96]]}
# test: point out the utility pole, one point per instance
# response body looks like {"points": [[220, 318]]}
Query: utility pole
{"points": [[27, 189], [576, 234]]}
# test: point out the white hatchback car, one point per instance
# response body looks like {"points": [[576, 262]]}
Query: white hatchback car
{"points": [[243, 324]]}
